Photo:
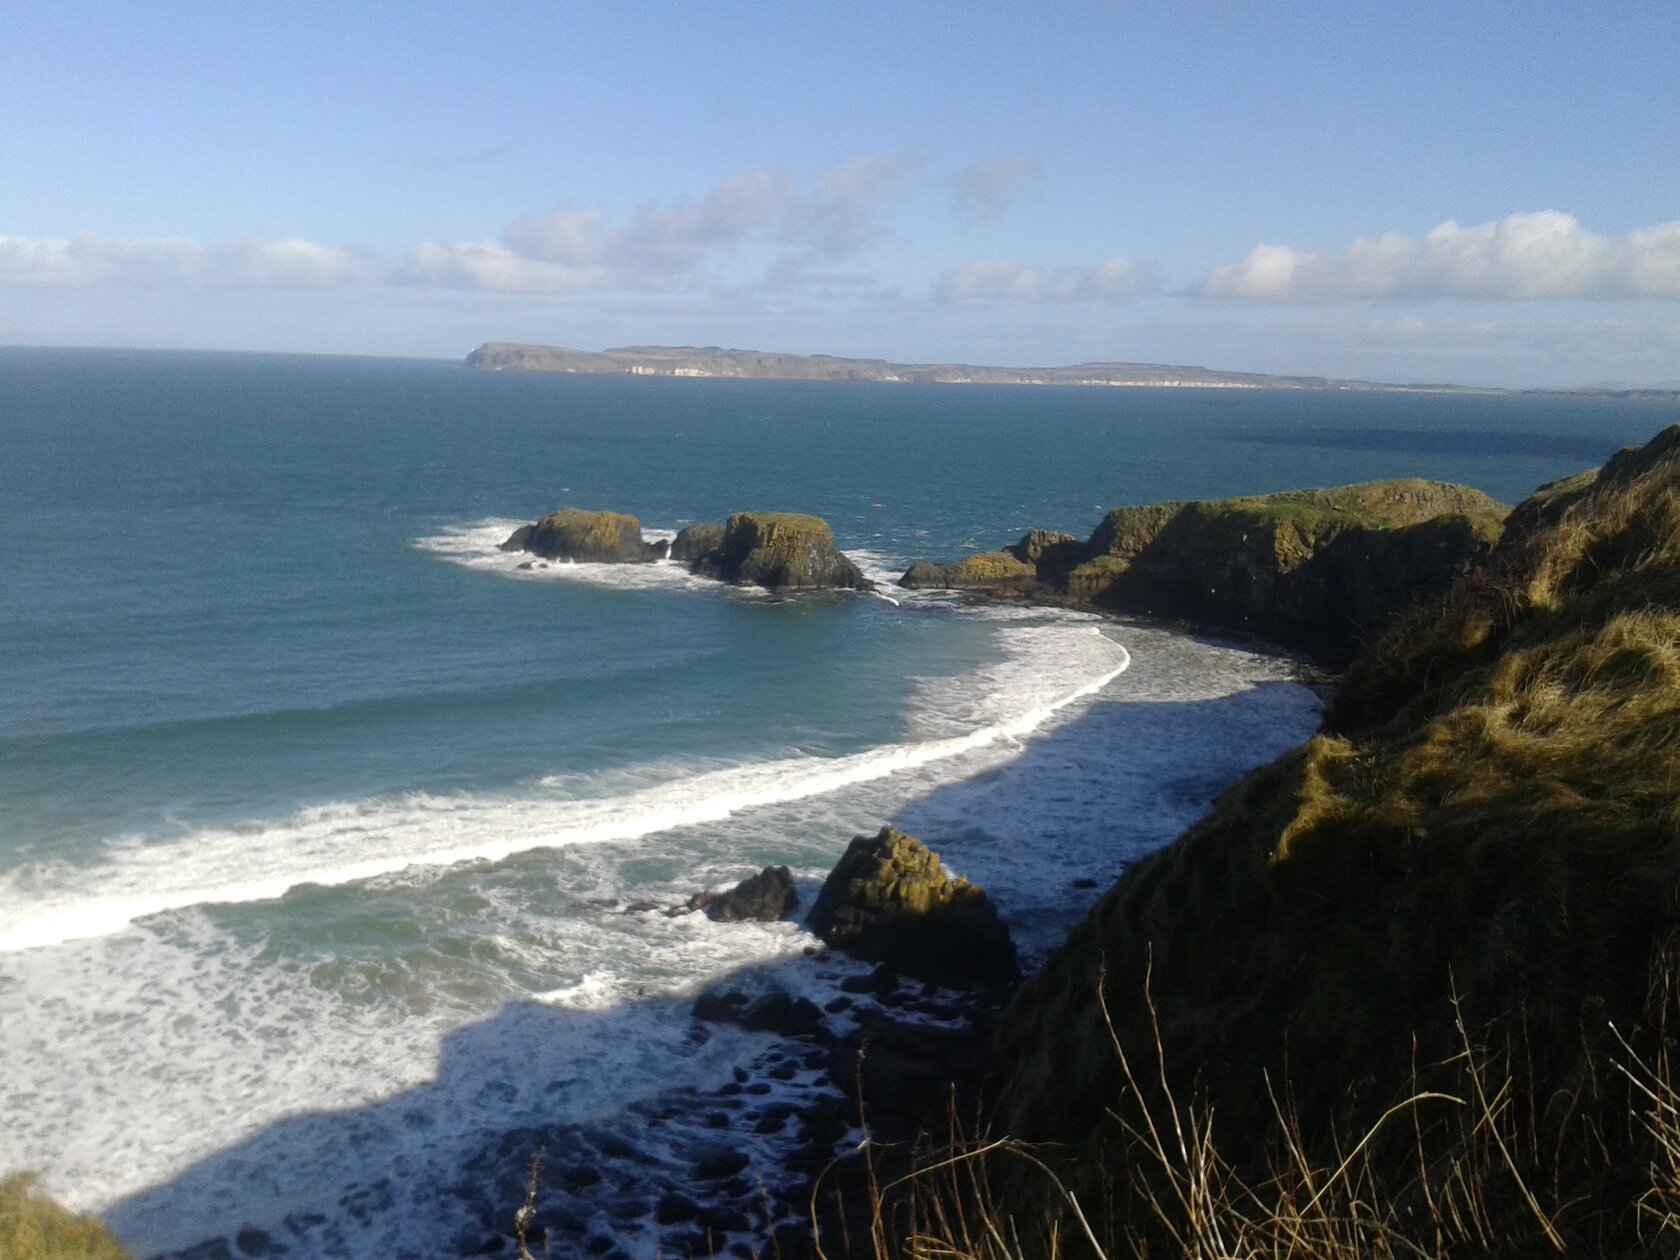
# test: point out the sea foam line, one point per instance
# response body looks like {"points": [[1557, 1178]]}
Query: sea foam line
{"points": [[342, 843]]}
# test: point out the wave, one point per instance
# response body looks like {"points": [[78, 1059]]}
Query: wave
{"points": [[479, 546], [1046, 668]]}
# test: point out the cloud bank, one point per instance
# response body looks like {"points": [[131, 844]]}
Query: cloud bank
{"points": [[568, 250], [1543, 255], [996, 280]]}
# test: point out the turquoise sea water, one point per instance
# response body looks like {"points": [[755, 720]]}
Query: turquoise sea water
{"points": [[314, 805]]}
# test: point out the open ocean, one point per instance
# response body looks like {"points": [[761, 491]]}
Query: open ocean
{"points": [[319, 817]]}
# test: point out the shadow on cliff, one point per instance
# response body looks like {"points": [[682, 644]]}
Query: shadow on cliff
{"points": [[646, 1118]]}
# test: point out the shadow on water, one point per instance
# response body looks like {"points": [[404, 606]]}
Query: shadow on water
{"points": [[1587, 449], [638, 1162]]}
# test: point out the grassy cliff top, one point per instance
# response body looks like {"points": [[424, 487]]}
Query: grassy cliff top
{"points": [[1370, 505], [799, 522], [1476, 861]]}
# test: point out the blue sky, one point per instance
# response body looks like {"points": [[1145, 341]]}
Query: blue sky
{"points": [[1470, 192]]}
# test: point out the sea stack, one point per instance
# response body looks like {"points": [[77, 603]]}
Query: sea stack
{"points": [[583, 535], [784, 551]]}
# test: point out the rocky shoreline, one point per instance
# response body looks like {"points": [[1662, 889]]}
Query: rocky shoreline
{"points": [[914, 971]]}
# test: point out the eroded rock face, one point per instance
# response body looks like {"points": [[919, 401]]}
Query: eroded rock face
{"points": [[890, 900], [583, 535], [780, 550]]}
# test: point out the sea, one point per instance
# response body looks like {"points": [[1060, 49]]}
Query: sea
{"points": [[323, 820]]}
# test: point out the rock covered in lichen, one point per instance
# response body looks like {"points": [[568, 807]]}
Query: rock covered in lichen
{"points": [[987, 569], [779, 550], [889, 899], [579, 534]]}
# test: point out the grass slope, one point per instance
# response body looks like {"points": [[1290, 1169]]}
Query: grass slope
{"points": [[35, 1228], [1472, 875]]}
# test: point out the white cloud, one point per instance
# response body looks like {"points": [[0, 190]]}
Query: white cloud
{"points": [[1543, 255], [490, 266], [685, 244], [987, 190], [174, 261], [996, 280]]}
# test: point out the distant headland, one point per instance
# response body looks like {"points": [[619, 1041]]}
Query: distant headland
{"points": [[502, 356], [508, 356]]}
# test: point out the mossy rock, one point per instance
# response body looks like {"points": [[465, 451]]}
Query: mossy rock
{"points": [[781, 551], [889, 899], [1324, 571], [988, 568], [583, 535]]}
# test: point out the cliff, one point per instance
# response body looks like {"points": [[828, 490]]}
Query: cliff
{"points": [[1438, 937], [1322, 571]]}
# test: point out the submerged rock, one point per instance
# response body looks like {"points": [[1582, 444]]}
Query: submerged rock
{"points": [[890, 900], [579, 534]]}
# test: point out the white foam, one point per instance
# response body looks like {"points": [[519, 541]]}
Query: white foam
{"points": [[225, 1066], [1047, 669], [479, 546]]}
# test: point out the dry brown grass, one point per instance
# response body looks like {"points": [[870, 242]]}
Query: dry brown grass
{"points": [[33, 1227], [1405, 991], [1466, 1172]]}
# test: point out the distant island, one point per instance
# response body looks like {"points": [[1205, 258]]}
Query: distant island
{"points": [[503, 356]]}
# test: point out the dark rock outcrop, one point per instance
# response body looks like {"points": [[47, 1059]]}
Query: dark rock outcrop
{"points": [[779, 550], [777, 1012], [890, 900], [1321, 571], [579, 534], [766, 897], [696, 541], [1047, 547]]}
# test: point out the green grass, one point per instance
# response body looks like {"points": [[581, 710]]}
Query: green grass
{"points": [[33, 1227]]}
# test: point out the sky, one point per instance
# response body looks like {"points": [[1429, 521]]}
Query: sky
{"points": [[1470, 192]]}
